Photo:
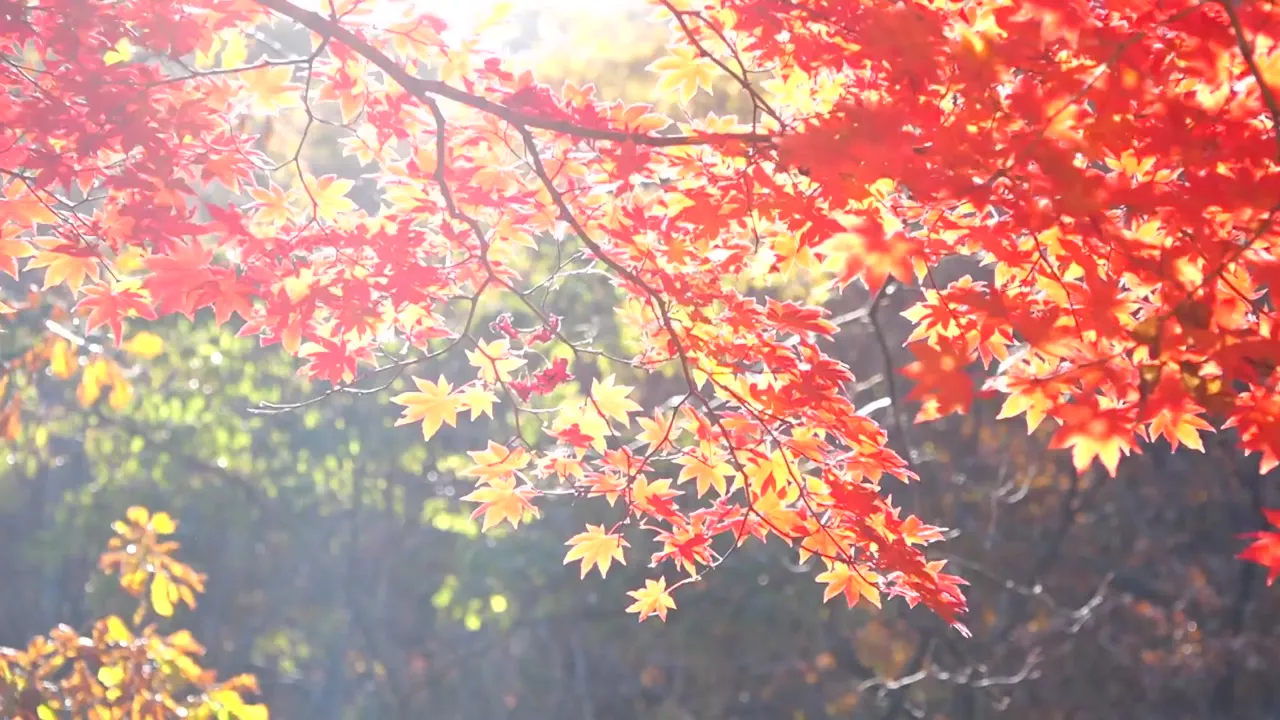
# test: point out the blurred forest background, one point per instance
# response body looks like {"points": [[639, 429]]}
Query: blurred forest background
{"points": [[344, 572]]}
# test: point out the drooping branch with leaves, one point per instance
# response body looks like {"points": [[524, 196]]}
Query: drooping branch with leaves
{"points": [[1106, 174]]}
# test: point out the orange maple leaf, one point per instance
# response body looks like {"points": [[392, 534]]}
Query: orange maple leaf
{"points": [[496, 461], [852, 581], [12, 248], [1094, 432], [1180, 426], [708, 467], [66, 263]]}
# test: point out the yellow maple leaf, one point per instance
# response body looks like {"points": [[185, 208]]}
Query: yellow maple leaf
{"points": [[653, 599], [235, 52], [683, 72], [272, 206], [612, 401], [431, 404], [162, 523], [478, 400], [271, 89], [493, 360], [778, 516], [328, 193], [658, 431], [1031, 401], [564, 467], [596, 548], [501, 500]]}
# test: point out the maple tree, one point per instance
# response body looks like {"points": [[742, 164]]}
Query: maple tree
{"points": [[1113, 168]]}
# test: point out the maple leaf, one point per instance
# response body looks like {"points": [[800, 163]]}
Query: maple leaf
{"points": [[612, 401], [500, 499], [121, 52], [234, 52], [872, 253], [432, 405], [272, 204], [564, 467], [494, 361], [66, 263], [941, 381], [478, 400], [852, 581], [596, 548], [652, 599], [708, 467], [658, 431], [110, 303], [1094, 432], [496, 461], [574, 437], [176, 273], [328, 195], [1265, 549], [609, 485], [590, 426], [1035, 400], [917, 533], [23, 209], [271, 89], [1180, 426], [768, 475], [12, 248], [683, 71], [798, 318], [654, 497]]}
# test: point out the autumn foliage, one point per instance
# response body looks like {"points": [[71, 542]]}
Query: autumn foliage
{"points": [[1109, 171], [127, 668]]}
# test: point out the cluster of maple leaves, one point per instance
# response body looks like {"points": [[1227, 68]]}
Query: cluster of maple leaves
{"points": [[1114, 166]]}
